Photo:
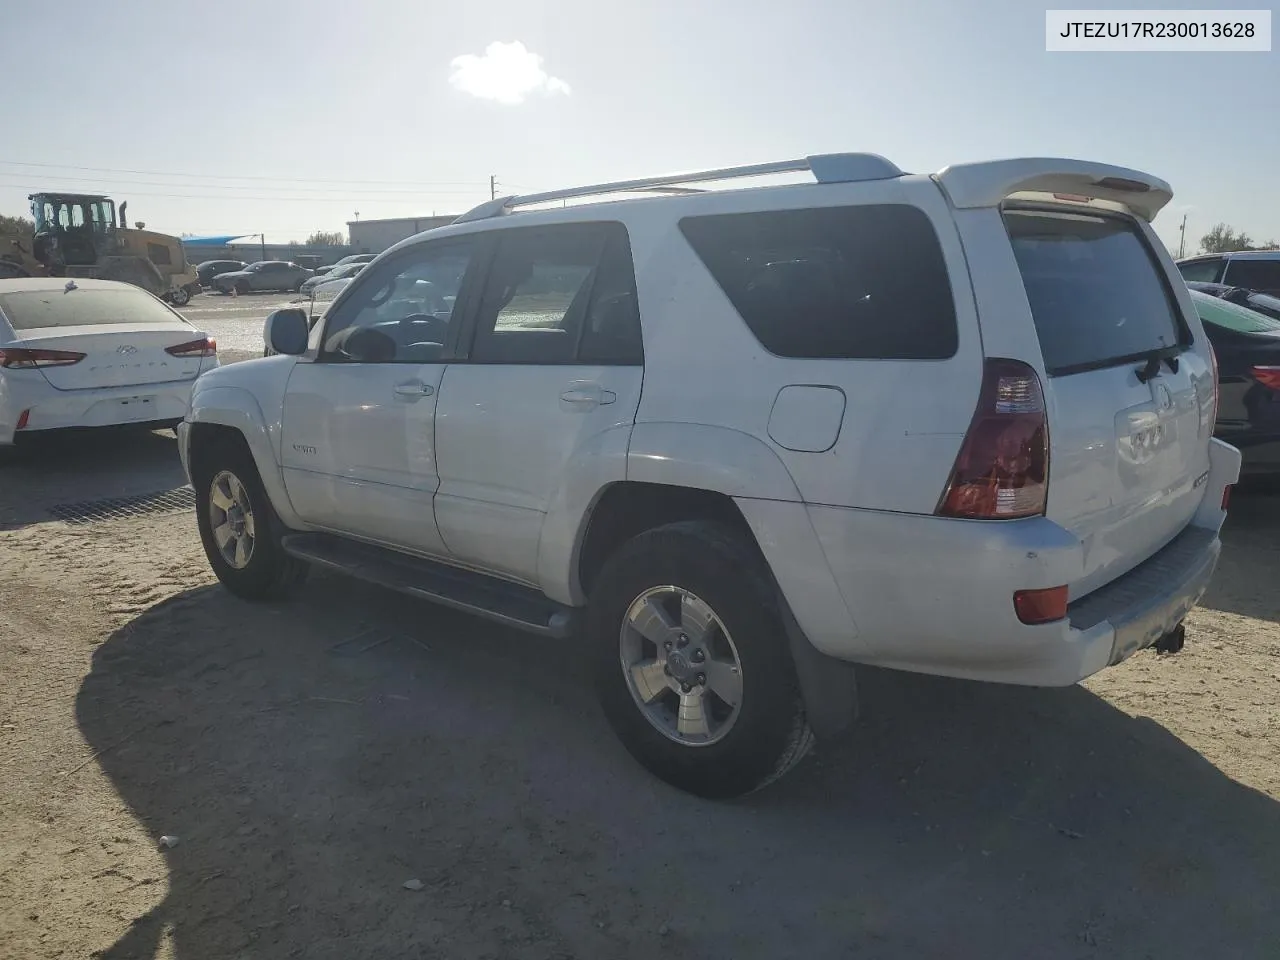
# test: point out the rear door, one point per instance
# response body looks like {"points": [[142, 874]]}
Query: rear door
{"points": [[554, 372], [1127, 377]]}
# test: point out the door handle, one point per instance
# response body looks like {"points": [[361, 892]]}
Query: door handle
{"points": [[587, 396], [413, 390]]}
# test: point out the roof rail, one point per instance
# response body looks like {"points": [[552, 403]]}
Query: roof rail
{"points": [[826, 168]]}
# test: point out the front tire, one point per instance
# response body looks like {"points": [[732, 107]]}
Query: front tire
{"points": [[242, 287], [181, 297], [238, 528], [692, 666]]}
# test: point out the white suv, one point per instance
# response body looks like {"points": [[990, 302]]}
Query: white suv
{"points": [[732, 441]]}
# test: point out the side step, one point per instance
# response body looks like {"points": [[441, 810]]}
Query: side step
{"points": [[499, 600]]}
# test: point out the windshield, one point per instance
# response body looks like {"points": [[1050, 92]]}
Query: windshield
{"points": [[1221, 313], [77, 307]]}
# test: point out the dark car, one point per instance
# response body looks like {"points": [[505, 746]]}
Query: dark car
{"points": [[264, 275], [205, 272], [1257, 270], [1247, 346]]}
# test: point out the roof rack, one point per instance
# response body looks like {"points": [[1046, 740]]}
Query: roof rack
{"points": [[826, 168]]}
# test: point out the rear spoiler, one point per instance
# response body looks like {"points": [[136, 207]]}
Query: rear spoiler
{"points": [[989, 184]]}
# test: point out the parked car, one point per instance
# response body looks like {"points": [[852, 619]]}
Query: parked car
{"points": [[959, 424], [1257, 270], [1262, 303], [93, 353], [353, 258], [1247, 345], [263, 275], [344, 272], [308, 260], [205, 272]]}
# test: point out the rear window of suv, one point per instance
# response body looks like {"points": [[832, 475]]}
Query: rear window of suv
{"points": [[1096, 291], [866, 282]]}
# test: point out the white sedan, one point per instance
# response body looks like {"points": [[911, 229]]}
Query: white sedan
{"points": [[93, 353]]}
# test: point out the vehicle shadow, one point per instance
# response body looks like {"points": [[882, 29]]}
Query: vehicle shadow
{"points": [[315, 756], [84, 465], [1245, 581]]}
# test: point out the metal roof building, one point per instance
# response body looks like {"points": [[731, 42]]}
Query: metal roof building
{"points": [[374, 236]]}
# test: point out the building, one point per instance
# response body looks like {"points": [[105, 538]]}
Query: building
{"points": [[374, 236]]}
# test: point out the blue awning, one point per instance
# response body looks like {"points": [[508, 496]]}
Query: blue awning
{"points": [[215, 241]]}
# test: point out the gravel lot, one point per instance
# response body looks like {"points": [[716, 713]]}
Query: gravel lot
{"points": [[313, 757]]}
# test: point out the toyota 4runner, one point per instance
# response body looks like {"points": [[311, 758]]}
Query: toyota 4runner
{"points": [[732, 441]]}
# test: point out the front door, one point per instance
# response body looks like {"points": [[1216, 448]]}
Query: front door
{"points": [[358, 442], [554, 367]]}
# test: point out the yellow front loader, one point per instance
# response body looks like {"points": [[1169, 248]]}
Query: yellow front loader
{"points": [[78, 235]]}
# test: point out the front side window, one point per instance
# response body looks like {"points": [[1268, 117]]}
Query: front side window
{"points": [[402, 312]]}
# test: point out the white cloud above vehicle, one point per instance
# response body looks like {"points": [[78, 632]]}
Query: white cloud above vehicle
{"points": [[507, 73]]}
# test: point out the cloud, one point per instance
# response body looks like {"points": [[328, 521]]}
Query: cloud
{"points": [[507, 73]]}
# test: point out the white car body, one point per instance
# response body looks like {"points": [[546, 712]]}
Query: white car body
{"points": [[837, 466], [125, 373]]}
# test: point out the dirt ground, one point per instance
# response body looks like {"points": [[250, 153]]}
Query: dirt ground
{"points": [[313, 757]]}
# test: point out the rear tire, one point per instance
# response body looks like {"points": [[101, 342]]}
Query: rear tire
{"points": [[697, 572], [242, 287], [238, 527], [181, 297]]}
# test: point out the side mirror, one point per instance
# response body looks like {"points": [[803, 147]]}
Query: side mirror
{"points": [[286, 331]]}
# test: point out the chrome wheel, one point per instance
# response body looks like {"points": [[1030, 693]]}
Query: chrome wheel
{"points": [[681, 666], [231, 519]]}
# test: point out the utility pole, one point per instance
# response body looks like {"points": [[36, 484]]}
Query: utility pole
{"points": [[1182, 241], [493, 186]]}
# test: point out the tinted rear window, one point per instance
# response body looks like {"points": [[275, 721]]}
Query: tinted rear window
{"points": [[44, 309], [1223, 314], [834, 282], [1096, 290]]}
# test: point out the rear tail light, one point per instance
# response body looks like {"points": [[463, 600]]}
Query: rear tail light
{"points": [[204, 347], [1002, 470], [1041, 606], [20, 358], [1213, 365], [1267, 376], [1226, 497], [23, 417]]}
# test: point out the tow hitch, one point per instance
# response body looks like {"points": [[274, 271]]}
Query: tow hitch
{"points": [[1172, 641]]}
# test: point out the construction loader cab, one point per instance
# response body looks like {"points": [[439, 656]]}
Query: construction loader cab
{"points": [[72, 229]]}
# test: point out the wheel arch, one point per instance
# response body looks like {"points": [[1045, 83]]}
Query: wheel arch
{"points": [[218, 409]]}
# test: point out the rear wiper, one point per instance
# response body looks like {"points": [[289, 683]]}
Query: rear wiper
{"points": [[1151, 368]]}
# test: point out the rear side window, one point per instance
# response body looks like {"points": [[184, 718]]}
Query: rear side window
{"points": [[1202, 271], [847, 283], [1096, 290], [1261, 275], [45, 309]]}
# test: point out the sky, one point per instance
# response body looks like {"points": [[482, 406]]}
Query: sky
{"points": [[288, 117]]}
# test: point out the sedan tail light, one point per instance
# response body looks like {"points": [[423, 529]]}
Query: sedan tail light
{"points": [[1267, 376], [204, 347], [20, 358]]}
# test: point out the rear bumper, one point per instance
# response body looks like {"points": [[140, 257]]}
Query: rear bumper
{"points": [[51, 409], [934, 595]]}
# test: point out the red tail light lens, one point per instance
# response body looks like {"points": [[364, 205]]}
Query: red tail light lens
{"points": [[1041, 606], [23, 418], [1269, 377], [204, 347], [1226, 497], [20, 358], [1002, 471]]}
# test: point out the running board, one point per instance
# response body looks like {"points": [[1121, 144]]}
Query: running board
{"points": [[510, 604]]}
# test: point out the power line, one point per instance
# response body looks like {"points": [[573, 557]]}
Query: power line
{"points": [[125, 184], [343, 199], [211, 176]]}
